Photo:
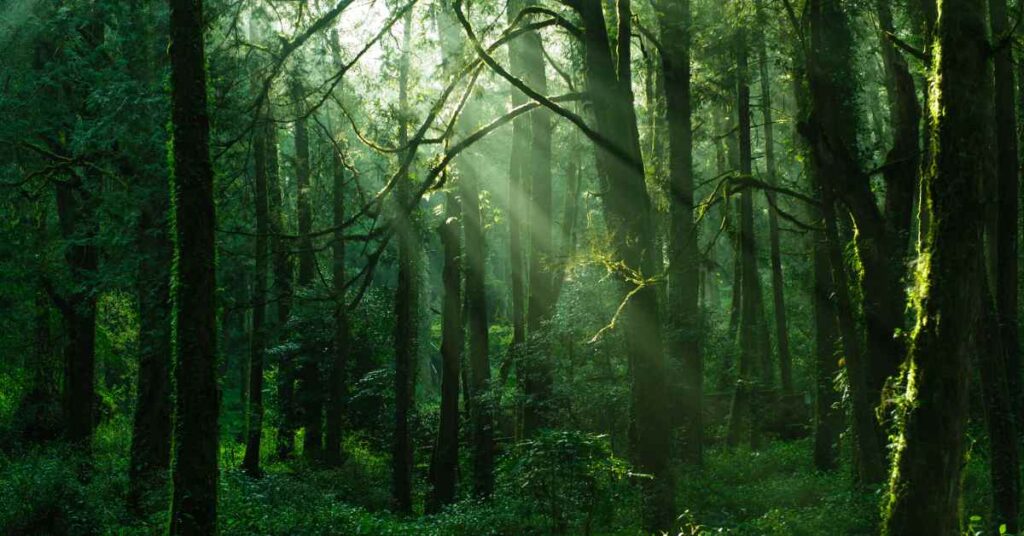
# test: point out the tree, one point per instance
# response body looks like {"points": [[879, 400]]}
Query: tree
{"points": [[778, 286], [444, 463], [251, 462], [337, 389], [151, 427], [406, 301], [675, 21], [543, 291], [743, 418], [830, 131], [194, 502], [925, 484], [309, 392], [629, 220]]}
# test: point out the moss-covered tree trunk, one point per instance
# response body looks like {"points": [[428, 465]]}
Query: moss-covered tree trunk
{"points": [[196, 435], [629, 221], [925, 484], [830, 131]]}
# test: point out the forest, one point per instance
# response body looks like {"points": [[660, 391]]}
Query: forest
{"points": [[511, 267]]}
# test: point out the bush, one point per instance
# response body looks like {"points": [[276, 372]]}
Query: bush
{"points": [[566, 481]]}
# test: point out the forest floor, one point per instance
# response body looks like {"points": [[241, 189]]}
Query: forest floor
{"points": [[773, 492]]}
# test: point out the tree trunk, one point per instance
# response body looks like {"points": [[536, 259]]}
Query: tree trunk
{"points": [[151, 428], [476, 311], [196, 434], [675, 22], [518, 212], [78, 224], [444, 464], [1006, 272], [628, 218], [1004, 455], [254, 433], [903, 160], [828, 417], [542, 295], [743, 423], [406, 309], [925, 486], [778, 282], [337, 389], [282, 292], [309, 394], [830, 132]]}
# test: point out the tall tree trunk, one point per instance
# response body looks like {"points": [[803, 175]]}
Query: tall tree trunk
{"points": [[476, 310], [1006, 272], [778, 282], [282, 292], [309, 393], [542, 293], [196, 435], [743, 422], [444, 464], [830, 132], [628, 218], [675, 20], [79, 226], [337, 389], [258, 338], [151, 427], [406, 309], [1004, 455], [925, 484], [1000, 358], [518, 211], [477, 372]]}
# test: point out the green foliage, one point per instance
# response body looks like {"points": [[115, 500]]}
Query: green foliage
{"points": [[569, 481]]}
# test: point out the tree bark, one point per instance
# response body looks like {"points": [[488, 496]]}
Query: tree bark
{"points": [[925, 485], [1006, 236], [196, 435]]}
